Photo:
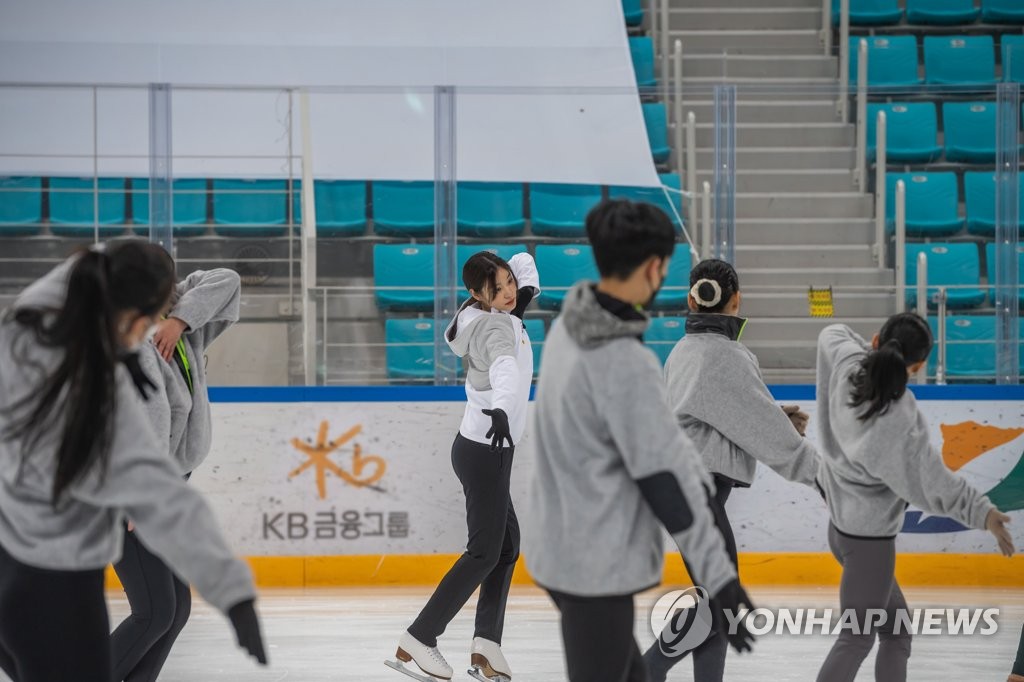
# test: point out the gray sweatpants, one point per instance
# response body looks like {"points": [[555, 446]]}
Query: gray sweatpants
{"points": [[869, 582]]}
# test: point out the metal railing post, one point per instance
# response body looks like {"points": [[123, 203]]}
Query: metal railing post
{"points": [[826, 26], [705, 239], [844, 59], [881, 188], [940, 365], [666, 54], [901, 247], [859, 174], [691, 168], [677, 105], [922, 303]]}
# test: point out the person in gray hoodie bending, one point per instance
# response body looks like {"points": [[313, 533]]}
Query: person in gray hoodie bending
{"points": [[721, 402], [876, 459], [203, 306], [78, 454], [488, 332], [613, 467]]}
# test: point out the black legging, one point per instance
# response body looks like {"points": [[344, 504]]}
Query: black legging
{"points": [[53, 624], [491, 551], [597, 633], [709, 657], [160, 603]]}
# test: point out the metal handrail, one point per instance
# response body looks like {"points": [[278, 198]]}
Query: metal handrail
{"points": [[859, 175], [844, 59], [665, 51], [691, 167], [826, 26], [940, 365], [901, 246], [881, 160], [922, 303], [705, 240], [677, 106]]}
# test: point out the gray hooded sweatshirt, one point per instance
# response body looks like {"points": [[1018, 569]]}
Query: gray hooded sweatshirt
{"points": [[141, 481], [717, 393], [208, 302], [603, 430], [872, 469]]}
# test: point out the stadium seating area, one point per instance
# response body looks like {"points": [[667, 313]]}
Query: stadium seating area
{"points": [[931, 12]]}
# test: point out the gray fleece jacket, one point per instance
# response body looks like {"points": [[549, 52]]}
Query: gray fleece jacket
{"points": [[141, 481], [872, 469], [717, 393], [208, 302], [603, 432]]}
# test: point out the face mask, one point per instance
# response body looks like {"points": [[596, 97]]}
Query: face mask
{"points": [[655, 290]]}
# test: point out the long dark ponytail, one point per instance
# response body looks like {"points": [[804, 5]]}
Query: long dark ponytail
{"points": [[480, 274], [881, 379], [130, 276]]}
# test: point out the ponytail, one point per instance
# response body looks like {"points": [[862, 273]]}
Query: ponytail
{"points": [[81, 393], [881, 379]]}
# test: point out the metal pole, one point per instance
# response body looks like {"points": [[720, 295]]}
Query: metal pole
{"points": [[880, 190], [1007, 236], [901, 246], [691, 167], [705, 240], [826, 26], [95, 168], [677, 105], [161, 177], [665, 50], [862, 115], [922, 304], [844, 59], [940, 365], [653, 13], [309, 300], [445, 229]]}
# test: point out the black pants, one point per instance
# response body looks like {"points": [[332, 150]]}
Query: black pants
{"points": [[53, 624], [598, 636], [491, 551], [160, 603], [709, 657]]}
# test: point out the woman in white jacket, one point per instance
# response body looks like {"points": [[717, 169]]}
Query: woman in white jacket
{"points": [[488, 331]]}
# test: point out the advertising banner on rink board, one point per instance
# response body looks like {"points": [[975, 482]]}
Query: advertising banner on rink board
{"points": [[335, 478]]}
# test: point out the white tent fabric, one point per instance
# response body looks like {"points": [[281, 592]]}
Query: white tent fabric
{"points": [[546, 91]]}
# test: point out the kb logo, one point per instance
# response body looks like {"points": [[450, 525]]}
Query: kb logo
{"points": [[681, 620]]}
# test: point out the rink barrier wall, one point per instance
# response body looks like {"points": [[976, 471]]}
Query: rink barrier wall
{"points": [[756, 568]]}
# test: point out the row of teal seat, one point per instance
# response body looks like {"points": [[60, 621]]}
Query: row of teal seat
{"points": [[931, 12], [949, 61], [912, 132], [259, 207], [932, 208], [957, 266], [410, 344], [403, 274]]}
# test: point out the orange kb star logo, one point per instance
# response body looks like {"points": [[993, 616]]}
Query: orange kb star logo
{"points": [[319, 458]]}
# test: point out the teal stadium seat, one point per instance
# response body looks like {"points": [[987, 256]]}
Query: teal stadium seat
{"points": [[931, 203], [503, 251], [980, 198], [663, 335], [1012, 47], [561, 266], [561, 210], [942, 12], [21, 206], [912, 132], [656, 196], [970, 130], [250, 208], [1002, 11], [403, 276], [677, 283], [403, 209], [641, 49], [409, 350], [970, 346], [72, 210], [892, 61], [340, 207], [963, 61], [491, 209], [949, 265], [870, 12], [535, 330], [990, 260], [656, 120], [634, 11], [188, 196]]}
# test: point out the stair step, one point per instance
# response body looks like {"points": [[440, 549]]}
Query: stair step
{"points": [[801, 205], [800, 257], [845, 280], [751, 135], [744, 18], [729, 66], [789, 332], [794, 41], [811, 180], [798, 231], [768, 304], [745, 4], [821, 110], [773, 158]]}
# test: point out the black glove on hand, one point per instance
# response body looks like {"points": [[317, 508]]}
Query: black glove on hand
{"points": [[731, 597], [523, 298], [499, 431], [142, 381], [247, 627]]}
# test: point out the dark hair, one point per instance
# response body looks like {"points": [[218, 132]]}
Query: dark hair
{"points": [[624, 234], [130, 276], [905, 340], [720, 272], [480, 274]]}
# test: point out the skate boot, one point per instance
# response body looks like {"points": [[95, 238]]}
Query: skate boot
{"points": [[487, 662], [418, 655]]}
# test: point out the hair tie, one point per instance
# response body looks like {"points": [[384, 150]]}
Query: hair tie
{"points": [[896, 343], [695, 292]]}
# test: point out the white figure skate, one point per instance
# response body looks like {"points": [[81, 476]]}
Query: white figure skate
{"points": [[488, 663], [428, 659]]}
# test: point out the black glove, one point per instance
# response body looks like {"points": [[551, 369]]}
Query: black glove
{"points": [[523, 298], [142, 381], [730, 598], [499, 431], [247, 627]]}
